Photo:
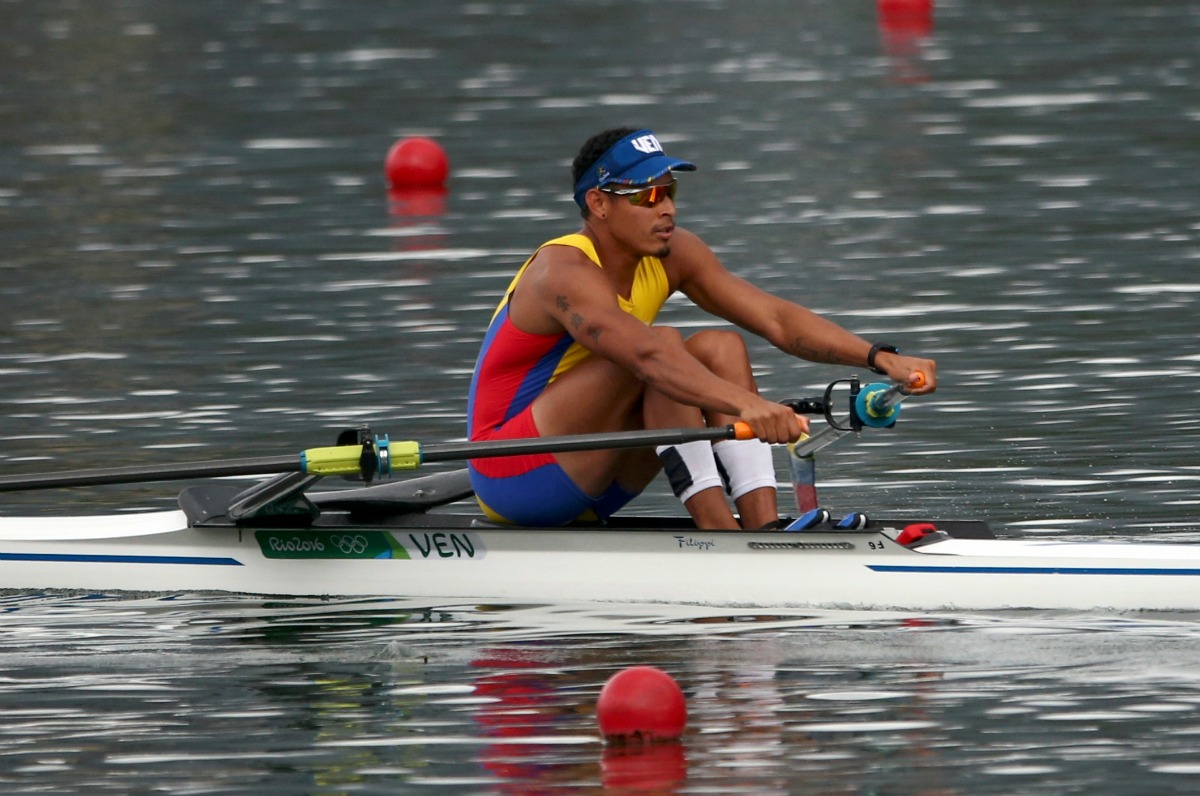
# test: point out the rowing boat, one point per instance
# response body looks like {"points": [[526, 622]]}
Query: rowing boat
{"points": [[395, 539], [421, 538]]}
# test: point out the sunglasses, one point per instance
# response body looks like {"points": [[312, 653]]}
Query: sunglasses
{"points": [[645, 197]]}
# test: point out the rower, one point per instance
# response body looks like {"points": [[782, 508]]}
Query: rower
{"points": [[573, 348]]}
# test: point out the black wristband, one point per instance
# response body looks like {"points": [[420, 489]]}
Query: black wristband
{"points": [[875, 349]]}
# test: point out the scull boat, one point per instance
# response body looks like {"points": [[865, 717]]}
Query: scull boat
{"points": [[417, 539]]}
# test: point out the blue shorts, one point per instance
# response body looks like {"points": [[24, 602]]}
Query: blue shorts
{"points": [[544, 497]]}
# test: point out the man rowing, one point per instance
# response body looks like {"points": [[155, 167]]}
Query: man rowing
{"points": [[572, 349]]}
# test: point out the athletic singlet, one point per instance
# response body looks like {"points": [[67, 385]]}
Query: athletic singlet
{"points": [[515, 366]]}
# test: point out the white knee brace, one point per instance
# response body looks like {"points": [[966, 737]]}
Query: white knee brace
{"points": [[746, 464], [690, 467]]}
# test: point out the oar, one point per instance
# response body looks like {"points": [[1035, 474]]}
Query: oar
{"points": [[370, 458]]}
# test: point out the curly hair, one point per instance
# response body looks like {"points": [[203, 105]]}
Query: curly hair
{"points": [[591, 151]]}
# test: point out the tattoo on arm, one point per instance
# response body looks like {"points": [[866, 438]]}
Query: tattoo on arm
{"points": [[800, 349], [577, 320], [563, 304]]}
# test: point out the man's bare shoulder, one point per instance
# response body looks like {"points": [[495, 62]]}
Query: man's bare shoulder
{"points": [[562, 265], [688, 255], [561, 253], [558, 280]]}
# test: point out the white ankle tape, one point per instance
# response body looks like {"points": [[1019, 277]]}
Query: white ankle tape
{"points": [[690, 467], [747, 464]]}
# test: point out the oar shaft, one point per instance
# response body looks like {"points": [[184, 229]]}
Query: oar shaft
{"points": [[451, 451], [821, 439], [346, 459], [130, 475]]}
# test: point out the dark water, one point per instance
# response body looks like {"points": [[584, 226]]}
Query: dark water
{"points": [[198, 258], [221, 695]]}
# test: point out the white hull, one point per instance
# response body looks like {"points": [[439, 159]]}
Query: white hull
{"points": [[444, 557]]}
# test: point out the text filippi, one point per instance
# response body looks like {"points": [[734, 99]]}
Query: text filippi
{"points": [[702, 544]]}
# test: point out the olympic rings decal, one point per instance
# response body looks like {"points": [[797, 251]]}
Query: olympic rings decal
{"points": [[349, 544]]}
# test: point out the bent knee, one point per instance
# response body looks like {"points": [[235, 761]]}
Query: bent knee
{"points": [[669, 333], [717, 345]]}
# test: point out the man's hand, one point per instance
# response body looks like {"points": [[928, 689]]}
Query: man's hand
{"points": [[918, 376], [774, 423]]}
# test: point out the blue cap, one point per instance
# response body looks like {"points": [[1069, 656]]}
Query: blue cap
{"points": [[637, 159]]}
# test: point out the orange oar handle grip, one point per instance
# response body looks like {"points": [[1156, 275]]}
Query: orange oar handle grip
{"points": [[917, 382], [743, 431]]}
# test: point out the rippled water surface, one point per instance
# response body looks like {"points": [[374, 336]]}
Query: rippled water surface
{"points": [[198, 258], [213, 694]]}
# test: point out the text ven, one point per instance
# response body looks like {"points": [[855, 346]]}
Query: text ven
{"points": [[443, 545]]}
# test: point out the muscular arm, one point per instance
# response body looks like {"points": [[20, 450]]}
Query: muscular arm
{"points": [[568, 292], [793, 329], [575, 295]]}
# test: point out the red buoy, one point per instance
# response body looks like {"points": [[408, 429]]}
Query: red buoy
{"points": [[913, 18], [641, 704], [416, 163]]}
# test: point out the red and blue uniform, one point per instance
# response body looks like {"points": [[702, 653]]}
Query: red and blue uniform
{"points": [[513, 369]]}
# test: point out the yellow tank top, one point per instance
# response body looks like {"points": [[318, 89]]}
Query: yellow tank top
{"points": [[649, 293]]}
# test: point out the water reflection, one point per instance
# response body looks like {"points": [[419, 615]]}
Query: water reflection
{"points": [[390, 693], [407, 205], [904, 27]]}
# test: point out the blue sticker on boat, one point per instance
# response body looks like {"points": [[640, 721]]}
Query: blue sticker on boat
{"points": [[976, 570], [75, 558]]}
